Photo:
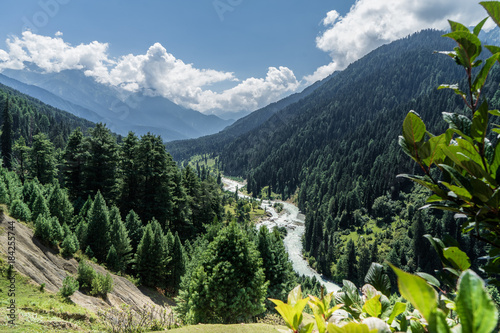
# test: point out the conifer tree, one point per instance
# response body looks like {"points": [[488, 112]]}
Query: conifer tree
{"points": [[228, 284], [277, 268], [20, 158], [120, 240], [4, 192], [151, 256], [112, 259], [100, 168], [39, 205], [42, 161], [98, 228], [60, 206], [69, 245], [130, 179], [178, 263], [6, 136], [135, 229], [73, 166], [155, 170]]}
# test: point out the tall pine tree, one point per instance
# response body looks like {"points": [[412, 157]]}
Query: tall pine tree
{"points": [[98, 237], [6, 136]]}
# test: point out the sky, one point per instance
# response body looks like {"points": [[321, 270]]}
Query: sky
{"points": [[214, 56]]}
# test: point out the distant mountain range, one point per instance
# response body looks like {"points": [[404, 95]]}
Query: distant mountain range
{"points": [[80, 95]]}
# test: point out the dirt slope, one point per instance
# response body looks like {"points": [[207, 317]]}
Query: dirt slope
{"points": [[44, 265]]}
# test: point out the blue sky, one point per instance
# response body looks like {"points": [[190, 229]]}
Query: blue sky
{"points": [[214, 56]]}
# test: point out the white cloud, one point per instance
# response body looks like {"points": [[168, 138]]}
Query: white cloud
{"points": [[372, 23], [155, 73], [52, 54]]}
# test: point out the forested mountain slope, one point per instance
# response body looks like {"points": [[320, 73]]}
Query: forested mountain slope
{"points": [[215, 143], [31, 116]]}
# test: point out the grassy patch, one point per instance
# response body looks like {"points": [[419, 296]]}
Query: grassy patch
{"points": [[42, 311], [236, 328]]}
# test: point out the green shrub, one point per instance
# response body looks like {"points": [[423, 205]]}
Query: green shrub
{"points": [[20, 210], [70, 285]]}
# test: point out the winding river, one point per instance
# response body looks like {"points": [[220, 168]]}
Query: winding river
{"points": [[293, 220]]}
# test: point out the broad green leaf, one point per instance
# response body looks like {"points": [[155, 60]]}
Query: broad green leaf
{"points": [[457, 177], [456, 26], [426, 182], [376, 324], [496, 160], [430, 279], [458, 122], [294, 295], [493, 48], [373, 306], [481, 190], [378, 279], [479, 125], [469, 43], [350, 328], [286, 312], [307, 328], [483, 73], [493, 9], [398, 309], [416, 290], [457, 257], [477, 28], [453, 87], [459, 191], [413, 129], [437, 322], [478, 313], [431, 150], [320, 323]]}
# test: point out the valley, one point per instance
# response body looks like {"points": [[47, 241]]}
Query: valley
{"points": [[293, 221]]}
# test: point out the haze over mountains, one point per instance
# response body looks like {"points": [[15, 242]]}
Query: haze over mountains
{"points": [[72, 91]]}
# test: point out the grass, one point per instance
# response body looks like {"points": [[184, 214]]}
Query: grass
{"points": [[42, 311], [236, 328]]}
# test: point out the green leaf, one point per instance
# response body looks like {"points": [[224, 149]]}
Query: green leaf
{"points": [[378, 279], [469, 43], [413, 130], [483, 73], [479, 125], [294, 295], [431, 150], [437, 322], [461, 192], [453, 87], [416, 290], [493, 9], [456, 26], [307, 328], [458, 122], [398, 309], [478, 313], [493, 48], [477, 28], [373, 306], [350, 328], [457, 258], [430, 279]]}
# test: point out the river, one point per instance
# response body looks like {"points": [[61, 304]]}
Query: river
{"points": [[293, 220]]}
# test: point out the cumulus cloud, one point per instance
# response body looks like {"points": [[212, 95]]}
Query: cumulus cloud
{"points": [[155, 73], [372, 23]]}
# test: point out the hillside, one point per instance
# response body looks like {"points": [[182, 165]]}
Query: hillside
{"points": [[43, 265], [31, 116], [213, 144]]}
